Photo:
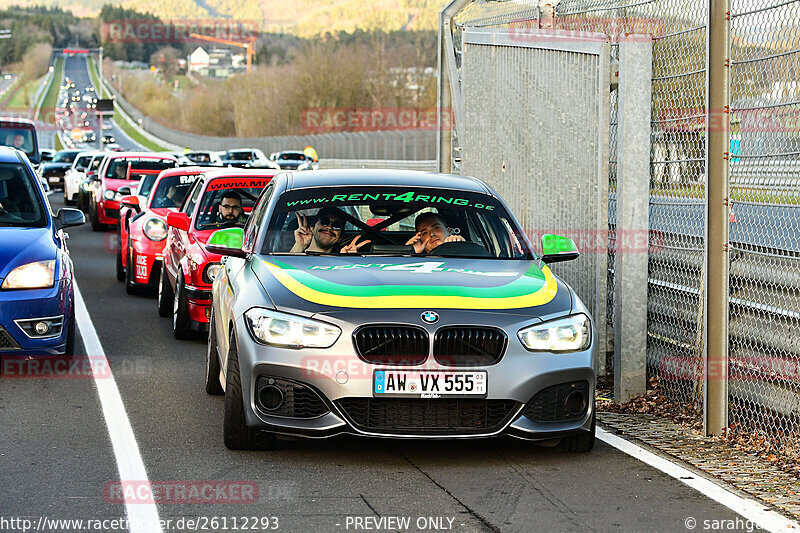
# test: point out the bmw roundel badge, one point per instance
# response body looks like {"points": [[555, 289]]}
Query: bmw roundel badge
{"points": [[430, 317]]}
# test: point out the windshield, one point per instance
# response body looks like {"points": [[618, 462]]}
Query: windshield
{"points": [[18, 138], [64, 157], [146, 183], [239, 156], [20, 201], [171, 191], [395, 221], [82, 161], [118, 168], [198, 157], [227, 202], [293, 156]]}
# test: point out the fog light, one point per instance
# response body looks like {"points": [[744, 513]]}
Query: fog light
{"points": [[41, 328], [208, 313]]}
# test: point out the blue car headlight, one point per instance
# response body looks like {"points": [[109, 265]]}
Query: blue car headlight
{"points": [[289, 331], [38, 275], [567, 334]]}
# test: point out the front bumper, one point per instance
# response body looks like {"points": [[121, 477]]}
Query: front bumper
{"points": [[344, 383], [20, 305], [108, 212], [148, 259]]}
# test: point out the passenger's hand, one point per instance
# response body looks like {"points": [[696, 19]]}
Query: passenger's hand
{"points": [[418, 242], [352, 248], [302, 235]]}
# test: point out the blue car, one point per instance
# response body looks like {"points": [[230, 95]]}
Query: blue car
{"points": [[37, 312]]}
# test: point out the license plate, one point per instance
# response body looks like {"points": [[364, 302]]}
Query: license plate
{"points": [[417, 384], [53, 179]]}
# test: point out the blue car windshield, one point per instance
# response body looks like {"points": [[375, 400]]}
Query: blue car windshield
{"points": [[20, 200]]}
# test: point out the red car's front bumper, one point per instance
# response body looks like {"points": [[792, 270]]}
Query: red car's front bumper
{"points": [[108, 212], [147, 261]]}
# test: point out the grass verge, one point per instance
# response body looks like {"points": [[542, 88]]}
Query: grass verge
{"points": [[51, 97], [129, 130], [22, 93], [100, 88]]}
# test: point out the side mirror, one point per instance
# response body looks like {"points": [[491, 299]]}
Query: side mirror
{"points": [[130, 201], [179, 220], [227, 242], [68, 217], [124, 190], [556, 248]]}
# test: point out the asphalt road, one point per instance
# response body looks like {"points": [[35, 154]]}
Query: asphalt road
{"points": [[77, 69], [56, 457]]}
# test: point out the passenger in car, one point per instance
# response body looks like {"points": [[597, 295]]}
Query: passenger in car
{"points": [[431, 232]]}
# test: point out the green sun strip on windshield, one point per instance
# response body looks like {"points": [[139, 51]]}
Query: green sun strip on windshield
{"points": [[406, 197], [530, 282]]}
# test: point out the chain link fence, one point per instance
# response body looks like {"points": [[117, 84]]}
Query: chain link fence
{"points": [[764, 159]]}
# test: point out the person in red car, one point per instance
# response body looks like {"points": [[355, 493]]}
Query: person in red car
{"points": [[230, 210], [218, 199]]}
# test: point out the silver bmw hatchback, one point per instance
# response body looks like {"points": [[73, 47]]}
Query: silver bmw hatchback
{"points": [[395, 304]]}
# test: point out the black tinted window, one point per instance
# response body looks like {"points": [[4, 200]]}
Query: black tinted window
{"points": [[20, 200]]}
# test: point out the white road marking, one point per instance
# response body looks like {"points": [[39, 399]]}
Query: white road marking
{"points": [[751, 509], [142, 517]]}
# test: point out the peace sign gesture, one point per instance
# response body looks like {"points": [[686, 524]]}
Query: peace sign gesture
{"points": [[302, 235], [352, 248]]}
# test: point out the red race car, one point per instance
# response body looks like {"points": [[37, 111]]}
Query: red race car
{"points": [[118, 170], [218, 199], [143, 225]]}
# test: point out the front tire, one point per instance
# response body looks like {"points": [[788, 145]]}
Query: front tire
{"points": [[237, 435], [582, 442], [96, 225], [165, 294], [69, 351], [130, 288], [181, 321], [120, 268], [213, 386]]}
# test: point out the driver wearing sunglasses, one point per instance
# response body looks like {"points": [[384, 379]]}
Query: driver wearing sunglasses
{"points": [[323, 236]]}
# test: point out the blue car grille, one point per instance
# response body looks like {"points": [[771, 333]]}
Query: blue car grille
{"points": [[7, 342]]}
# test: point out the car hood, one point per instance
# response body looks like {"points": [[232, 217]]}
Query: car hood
{"points": [[24, 245], [332, 284]]}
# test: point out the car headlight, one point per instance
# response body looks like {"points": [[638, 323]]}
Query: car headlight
{"points": [[210, 272], [562, 335], [86, 186], [289, 331], [155, 229], [109, 194], [38, 275]]}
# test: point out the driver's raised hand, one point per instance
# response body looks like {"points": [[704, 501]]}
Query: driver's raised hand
{"points": [[454, 238]]}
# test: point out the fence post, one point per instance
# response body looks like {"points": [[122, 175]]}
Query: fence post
{"points": [[633, 194], [716, 227]]}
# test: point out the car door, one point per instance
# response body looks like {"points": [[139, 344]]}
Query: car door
{"points": [[177, 242]]}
